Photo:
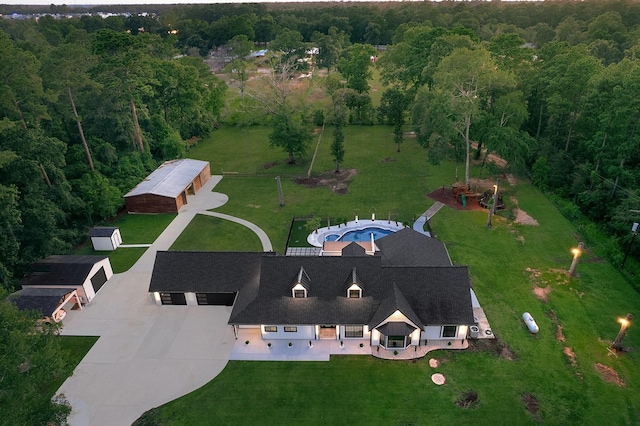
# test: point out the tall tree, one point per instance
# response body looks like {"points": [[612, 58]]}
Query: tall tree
{"points": [[391, 111], [355, 66]]}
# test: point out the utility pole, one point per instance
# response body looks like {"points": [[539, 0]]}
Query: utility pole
{"points": [[280, 191], [492, 208]]}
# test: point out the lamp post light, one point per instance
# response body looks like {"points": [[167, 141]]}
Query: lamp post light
{"points": [[492, 207], [624, 325], [634, 229], [576, 255]]}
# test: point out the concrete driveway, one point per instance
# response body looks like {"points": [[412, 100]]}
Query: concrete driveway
{"points": [[147, 355]]}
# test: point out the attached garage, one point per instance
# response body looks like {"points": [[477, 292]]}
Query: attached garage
{"points": [[173, 298], [200, 278], [166, 189], [219, 299], [86, 274]]}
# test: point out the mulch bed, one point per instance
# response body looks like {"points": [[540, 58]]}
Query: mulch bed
{"points": [[445, 196]]}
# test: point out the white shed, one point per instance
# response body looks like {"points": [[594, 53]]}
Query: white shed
{"points": [[86, 274], [105, 238]]}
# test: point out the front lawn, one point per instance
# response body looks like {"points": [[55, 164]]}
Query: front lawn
{"points": [[207, 233]]}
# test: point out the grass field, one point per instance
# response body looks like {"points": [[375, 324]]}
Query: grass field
{"points": [[208, 233], [134, 229], [505, 262]]}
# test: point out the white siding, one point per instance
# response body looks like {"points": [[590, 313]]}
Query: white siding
{"points": [[365, 332], [433, 332], [306, 332]]}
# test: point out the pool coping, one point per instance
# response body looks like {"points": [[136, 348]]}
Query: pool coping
{"points": [[318, 237]]}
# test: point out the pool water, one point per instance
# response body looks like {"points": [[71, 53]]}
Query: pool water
{"points": [[359, 235]]}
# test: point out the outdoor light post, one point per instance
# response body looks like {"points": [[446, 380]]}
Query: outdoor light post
{"points": [[492, 207], [576, 255], [624, 325], [634, 229]]}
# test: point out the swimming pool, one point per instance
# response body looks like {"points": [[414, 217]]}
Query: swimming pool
{"points": [[359, 235]]}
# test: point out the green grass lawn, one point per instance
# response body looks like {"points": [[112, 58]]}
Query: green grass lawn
{"points": [[207, 233], [134, 229], [505, 262]]}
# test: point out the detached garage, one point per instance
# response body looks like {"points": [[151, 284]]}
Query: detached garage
{"points": [[86, 274], [166, 189], [202, 278], [52, 303]]}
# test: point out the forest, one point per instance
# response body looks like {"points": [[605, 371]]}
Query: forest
{"points": [[91, 105]]}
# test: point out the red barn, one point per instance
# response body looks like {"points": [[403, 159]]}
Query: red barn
{"points": [[166, 189]]}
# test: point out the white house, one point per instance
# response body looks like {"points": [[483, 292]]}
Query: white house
{"points": [[86, 274], [406, 294], [105, 238]]}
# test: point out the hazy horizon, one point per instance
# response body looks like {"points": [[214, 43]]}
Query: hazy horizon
{"points": [[72, 3]]}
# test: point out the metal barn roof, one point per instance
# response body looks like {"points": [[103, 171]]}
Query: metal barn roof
{"points": [[170, 178]]}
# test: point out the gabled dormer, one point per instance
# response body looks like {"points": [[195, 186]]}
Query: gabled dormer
{"points": [[353, 286], [301, 285]]}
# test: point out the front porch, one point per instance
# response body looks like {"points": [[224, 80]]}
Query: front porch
{"points": [[321, 350]]}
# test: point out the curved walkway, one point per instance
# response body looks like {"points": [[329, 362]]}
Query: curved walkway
{"points": [[147, 355], [418, 225], [264, 238]]}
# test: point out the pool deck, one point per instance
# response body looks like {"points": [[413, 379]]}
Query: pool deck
{"points": [[317, 238]]}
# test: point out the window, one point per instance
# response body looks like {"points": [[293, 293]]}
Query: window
{"points": [[449, 331], [299, 294], [270, 329], [291, 329], [353, 331], [354, 294]]}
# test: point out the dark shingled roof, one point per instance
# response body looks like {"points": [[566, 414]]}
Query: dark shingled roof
{"points": [[45, 300], [353, 278], [60, 270], [354, 249], [427, 295], [102, 231], [410, 248], [204, 272], [395, 301]]}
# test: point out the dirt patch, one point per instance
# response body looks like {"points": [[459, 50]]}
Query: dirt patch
{"points": [[495, 346], [337, 182], [492, 158], [511, 179], [542, 293], [520, 215], [387, 160], [608, 374], [446, 197], [468, 399], [559, 334], [531, 403], [270, 165], [523, 218], [571, 355]]}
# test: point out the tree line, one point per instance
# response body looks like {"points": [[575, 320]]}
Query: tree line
{"points": [[90, 105]]}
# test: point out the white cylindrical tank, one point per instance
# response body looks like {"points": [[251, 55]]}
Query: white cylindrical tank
{"points": [[530, 322]]}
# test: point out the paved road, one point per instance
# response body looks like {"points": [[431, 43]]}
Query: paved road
{"points": [[147, 355]]}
